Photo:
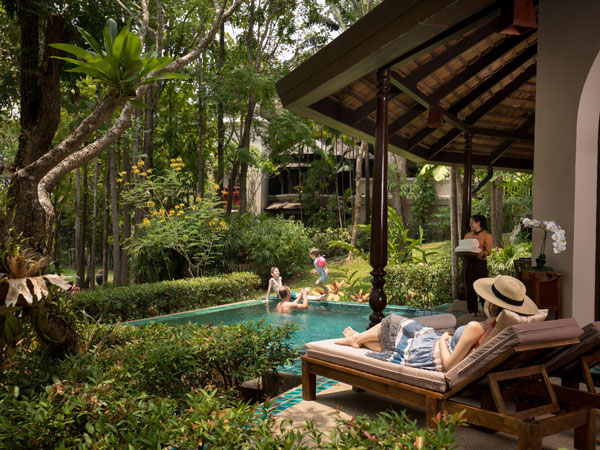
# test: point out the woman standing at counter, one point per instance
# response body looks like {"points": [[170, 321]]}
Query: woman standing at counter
{"points": [[476, 268]]}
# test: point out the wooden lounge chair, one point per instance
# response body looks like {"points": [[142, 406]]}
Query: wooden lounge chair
{"points": [[573, 366], [516, 353]]}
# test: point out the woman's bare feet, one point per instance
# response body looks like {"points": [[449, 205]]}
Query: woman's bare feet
{"points": [[349, 332], [349, 341]]}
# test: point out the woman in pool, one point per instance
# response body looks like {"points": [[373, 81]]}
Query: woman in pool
{"points": [[410, 343]]}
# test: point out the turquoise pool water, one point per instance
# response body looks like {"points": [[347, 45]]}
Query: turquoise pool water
{"points": [[322, 320]]}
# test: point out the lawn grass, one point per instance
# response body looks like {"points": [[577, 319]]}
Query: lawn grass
{"points": [[340, 268], [69, 271], [441, 249]]}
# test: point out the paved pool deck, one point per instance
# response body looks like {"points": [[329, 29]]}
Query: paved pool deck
{"points": [[340, 401]]}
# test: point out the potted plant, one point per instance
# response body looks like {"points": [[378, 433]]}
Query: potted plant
{"points": [[559, 240]]}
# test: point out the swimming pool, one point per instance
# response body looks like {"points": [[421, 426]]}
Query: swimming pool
{"points": [[322, 320]]}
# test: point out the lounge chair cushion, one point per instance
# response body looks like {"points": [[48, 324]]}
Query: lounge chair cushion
{"points": [[513, 336], [508, 318], [357, 359], [522, 334], [566, 357], [441, 322]]}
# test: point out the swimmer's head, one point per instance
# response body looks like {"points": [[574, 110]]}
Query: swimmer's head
{"points": [[284, 292]]}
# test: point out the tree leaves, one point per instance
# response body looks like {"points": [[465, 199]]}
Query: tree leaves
{"points": [[120, 64]]}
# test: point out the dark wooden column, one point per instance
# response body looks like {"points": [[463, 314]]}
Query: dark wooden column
{"points": [[467, 183], [379, 229]]}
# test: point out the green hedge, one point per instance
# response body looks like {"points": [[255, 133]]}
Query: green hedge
{"points": [[165, 297], [420, 285]]}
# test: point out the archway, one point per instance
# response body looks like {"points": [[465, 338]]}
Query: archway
{"points": [[587, 207]]}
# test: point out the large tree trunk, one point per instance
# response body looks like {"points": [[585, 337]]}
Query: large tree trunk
{"points": [[221, 113], [149, 130], [57, 243], [114, 200], [357, 196], [454, 227], [84, 219], [138, 214], [243, 188], [106, 217], [459, 189], [92, 251], [79, 233], [201, 130], [496, 212], [232, 179], [126, 212], [247, 128], [39, 119], [397, 177]]}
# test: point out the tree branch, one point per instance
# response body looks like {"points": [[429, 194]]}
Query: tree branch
{"points": [[64, 158], [43, 164], [77, 159]]}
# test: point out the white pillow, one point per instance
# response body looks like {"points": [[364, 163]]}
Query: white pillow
{"points": [[508, 318]]}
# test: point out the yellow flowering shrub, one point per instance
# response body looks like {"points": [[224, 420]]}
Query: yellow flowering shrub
{"points": [[176, 221]]}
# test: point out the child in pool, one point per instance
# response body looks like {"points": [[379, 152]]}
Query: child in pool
{"points": [[321, 269], [406, 342], [275, 282]]}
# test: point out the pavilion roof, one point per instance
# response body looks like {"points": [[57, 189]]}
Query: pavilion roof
{"points": [[444, 54]]}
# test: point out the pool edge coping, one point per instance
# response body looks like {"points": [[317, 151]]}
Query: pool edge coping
{"points": [[264, 300]]}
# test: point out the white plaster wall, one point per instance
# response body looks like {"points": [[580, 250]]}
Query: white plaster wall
{"points": [[565, 158]]}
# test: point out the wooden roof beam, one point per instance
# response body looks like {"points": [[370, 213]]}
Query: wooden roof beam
{"points": [[370, 106], [454, 51], [405, 119], [487, 19], [512, 135], [454, 32], [413, 92], [498, 76], [493, 101], [341, 113], [473, 69], [482, 161], [472, 118], [501, 95], [503, 148]]}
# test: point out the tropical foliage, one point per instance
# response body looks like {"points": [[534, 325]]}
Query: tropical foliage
{"points": [[418, 284], [175, 218], [120, 64]]}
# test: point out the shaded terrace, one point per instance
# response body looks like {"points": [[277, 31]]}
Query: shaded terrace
{"points": [[388, 77]]}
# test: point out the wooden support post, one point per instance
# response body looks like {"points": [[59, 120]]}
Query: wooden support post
{"points": [[379, 230], [467, 184], [432, 408], [584, 437], [529, 435], [309, 383]]}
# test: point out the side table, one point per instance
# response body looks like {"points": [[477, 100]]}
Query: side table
{"points": [[544, 288]]}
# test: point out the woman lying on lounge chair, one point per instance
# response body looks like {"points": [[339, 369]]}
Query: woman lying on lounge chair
{"points": [[410, 343]]}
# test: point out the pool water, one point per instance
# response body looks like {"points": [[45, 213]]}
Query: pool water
{"points": [[322, 320]]}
